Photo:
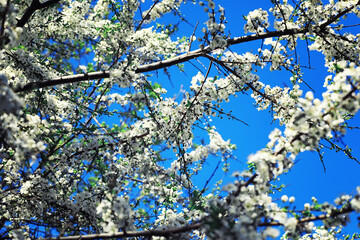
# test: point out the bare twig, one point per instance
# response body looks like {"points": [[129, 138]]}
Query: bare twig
{"points": [[147, 15], [192, 36]]}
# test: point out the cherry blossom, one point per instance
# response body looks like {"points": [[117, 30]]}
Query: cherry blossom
{"points": [[93, 145]]}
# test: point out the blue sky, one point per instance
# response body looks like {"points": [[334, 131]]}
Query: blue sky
{"points": [[307, 178]]}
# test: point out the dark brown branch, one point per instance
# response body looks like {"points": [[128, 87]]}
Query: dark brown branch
{"points": [[35, 5], [172, 61], [63, 80], [254, 37], [337, 16], [313, 218], [4, 18], [144, 233], [146, 17]]}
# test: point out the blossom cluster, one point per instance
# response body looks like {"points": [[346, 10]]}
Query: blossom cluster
{"points": [[257, 21], [119, 154]]}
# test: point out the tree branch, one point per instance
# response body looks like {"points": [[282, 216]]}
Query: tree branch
{"points": [[35, 5], [2, 29], [144, 233], [63, 80], [337, 16], [346, 210]]}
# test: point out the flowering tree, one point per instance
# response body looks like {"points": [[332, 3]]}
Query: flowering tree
{"points": [[64, 64]]}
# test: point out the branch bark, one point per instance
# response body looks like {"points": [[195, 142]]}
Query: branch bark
{"points": [[35, 5], [63, 80], [144, 233]]}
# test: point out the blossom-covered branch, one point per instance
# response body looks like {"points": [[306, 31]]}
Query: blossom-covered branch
{"points": [[189, 228], [34, 6], [144, 233], [125, 157], [169, 62]]}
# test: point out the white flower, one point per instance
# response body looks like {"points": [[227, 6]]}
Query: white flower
{"points": [[25, 187], [284, 198], [211, 4], [355, 204], [309, 226], [268, 41], [271, 232], [309, 96], [290, 224], [17, 234]]}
